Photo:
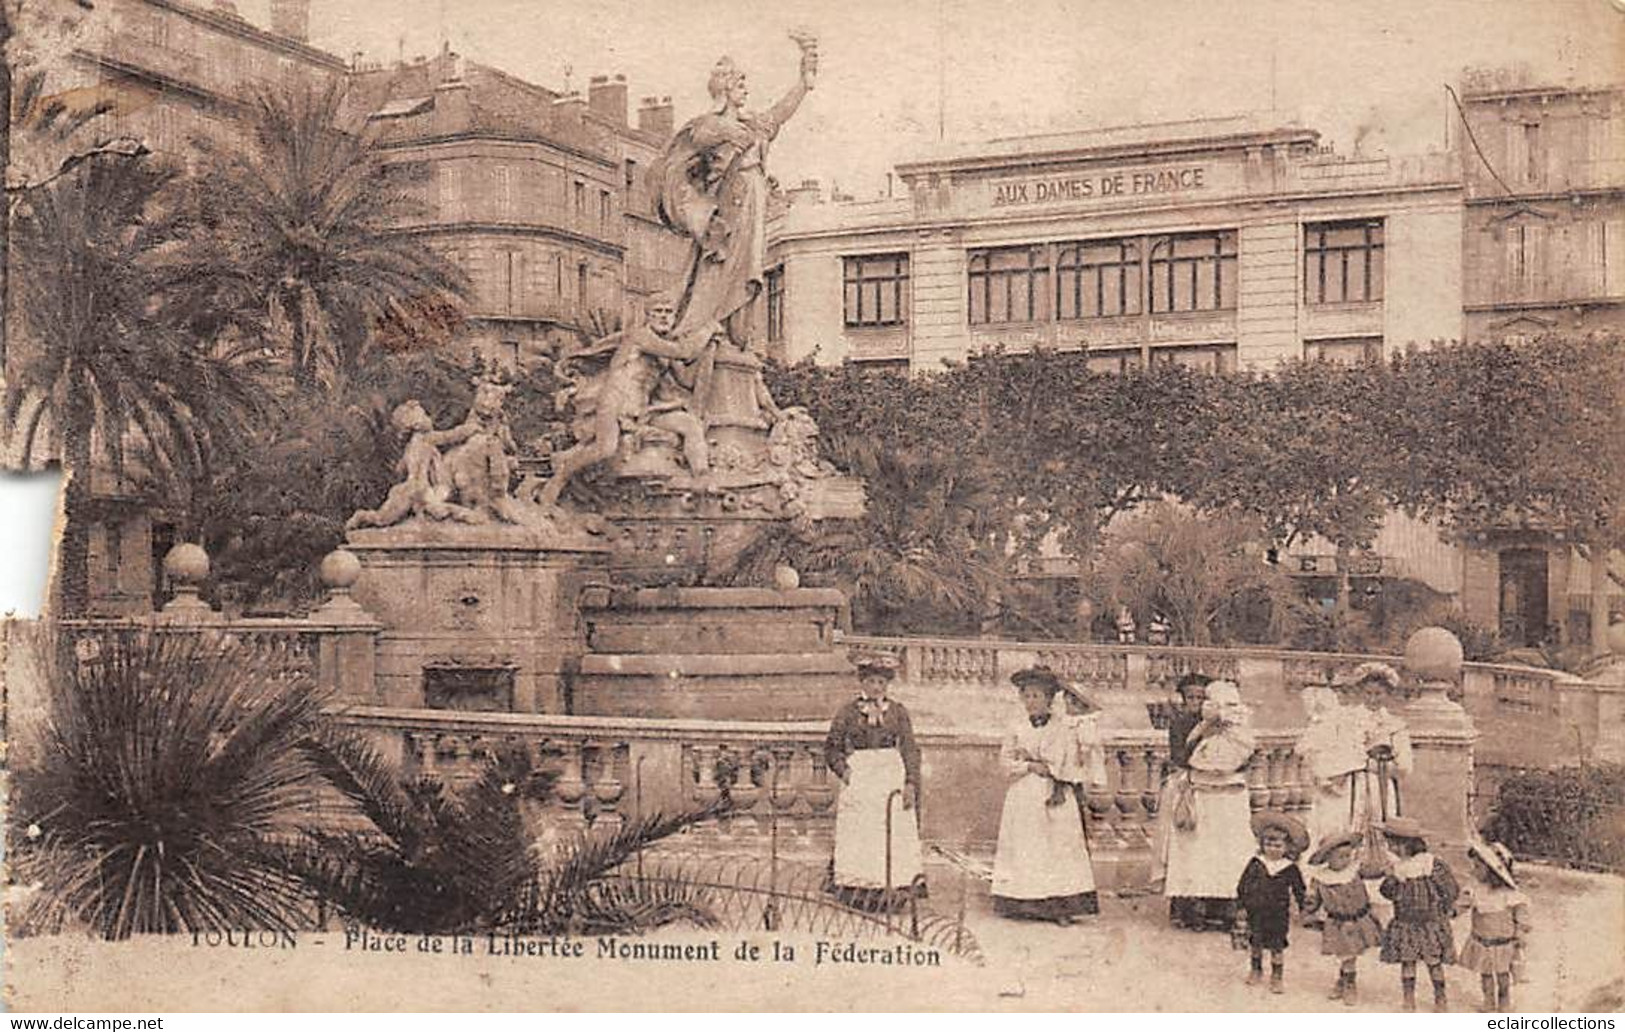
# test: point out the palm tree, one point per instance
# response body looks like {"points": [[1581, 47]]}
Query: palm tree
{"points": [[305, 238], [915, 554], [102, 369], [160, 797], [433, 861]]}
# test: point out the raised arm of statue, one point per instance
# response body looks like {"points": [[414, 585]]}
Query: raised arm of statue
{"points": [[771, 121], [456, 435]]}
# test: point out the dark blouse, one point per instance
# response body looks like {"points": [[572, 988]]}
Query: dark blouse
{"points": [[1259, 892], [1180, 726], [851, 731]]}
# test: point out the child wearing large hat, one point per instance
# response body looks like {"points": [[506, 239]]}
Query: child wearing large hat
{"points": [[1500, 923], [1424, 891], [1337, 892], [1269, 883]]}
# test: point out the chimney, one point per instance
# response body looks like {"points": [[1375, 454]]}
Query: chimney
{"points": [[810, 191], [570, 106], [607, 98], [453, 108], [654, 116], [291, 18]]}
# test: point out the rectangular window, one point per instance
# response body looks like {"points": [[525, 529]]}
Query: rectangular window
{"points": [[1097, 279], [581, 287], [1193, 272], [1342, 262], [1008, 285], [875, 289], [603, 207], [1531, 153], [631, 175], [1344, 350], [775, 303], [451, 193], [512, 282], [1206, 358], [1113, 360], [581, 198]]}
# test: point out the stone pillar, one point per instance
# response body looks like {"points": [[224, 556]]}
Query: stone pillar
{"points": [[187, 567], [1438, 790]]}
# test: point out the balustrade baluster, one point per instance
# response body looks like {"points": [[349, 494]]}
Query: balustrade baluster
{"points": [[607, 788], [571, 787]]}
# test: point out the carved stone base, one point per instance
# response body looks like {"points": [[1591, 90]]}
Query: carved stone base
{"points": [[476, 618]]}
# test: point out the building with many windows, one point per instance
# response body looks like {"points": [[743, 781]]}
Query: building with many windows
{"points": [[1217, 244], [538, 196], [1230, 244]]}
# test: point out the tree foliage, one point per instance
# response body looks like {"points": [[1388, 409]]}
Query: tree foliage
{"points": [[305, 249]]}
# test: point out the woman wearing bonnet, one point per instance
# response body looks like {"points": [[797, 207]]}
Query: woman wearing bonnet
{"points": [[1212, 838], [871, 748]]}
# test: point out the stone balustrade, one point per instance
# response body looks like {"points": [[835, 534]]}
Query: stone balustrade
{"points": [[612, 769], [338, 656]]}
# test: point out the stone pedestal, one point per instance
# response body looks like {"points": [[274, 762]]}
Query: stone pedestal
{"points": [[714, 653], [1438, 790], [475, 618]]}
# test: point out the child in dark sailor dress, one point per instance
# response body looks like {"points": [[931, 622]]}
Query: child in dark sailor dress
{"points": [[1269, 883], [1338, 893], [1424, 895]]}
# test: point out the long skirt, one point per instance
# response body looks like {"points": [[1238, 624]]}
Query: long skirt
{"points": [[1042, 866], [860, 825], [1207, 860], [1329, 811]]}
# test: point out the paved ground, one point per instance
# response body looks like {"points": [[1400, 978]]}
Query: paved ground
{"points": [[1129, 958]]}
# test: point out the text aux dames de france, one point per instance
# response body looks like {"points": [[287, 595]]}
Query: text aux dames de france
{"points": [[1108, 184]]}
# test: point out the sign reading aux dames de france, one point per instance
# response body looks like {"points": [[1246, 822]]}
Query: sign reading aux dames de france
{"points": [[1175, 179]]}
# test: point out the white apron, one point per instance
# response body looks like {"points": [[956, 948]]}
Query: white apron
{"points": [[860, 824], [1207, 860], [1042, 850]]}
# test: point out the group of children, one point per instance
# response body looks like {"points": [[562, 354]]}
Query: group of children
{"points": [[1420, 886], [1206, 831]]}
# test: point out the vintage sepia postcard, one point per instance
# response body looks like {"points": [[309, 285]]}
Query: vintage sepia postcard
{"points": [[974, 505]]}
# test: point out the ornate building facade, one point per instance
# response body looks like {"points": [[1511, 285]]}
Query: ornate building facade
{"points": [[1233, 244]]}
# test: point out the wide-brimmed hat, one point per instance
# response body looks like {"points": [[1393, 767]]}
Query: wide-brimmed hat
{"points": [[1403, 827], [1051, 683], [1497, 858], [1297, 836], [1333, 841], [874, 662]]}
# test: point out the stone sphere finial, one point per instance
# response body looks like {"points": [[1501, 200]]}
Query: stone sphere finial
{"points": [[187, 566], [1434, 654], [785, 577], [340, 570]]}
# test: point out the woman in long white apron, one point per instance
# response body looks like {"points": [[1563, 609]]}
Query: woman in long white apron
{"points": [[1212, 842], [1042, 870], [871, 748]]}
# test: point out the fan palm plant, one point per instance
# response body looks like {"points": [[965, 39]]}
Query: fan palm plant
{"points": [[434, 861], [161, 797], [915, 551], [307, 244]]}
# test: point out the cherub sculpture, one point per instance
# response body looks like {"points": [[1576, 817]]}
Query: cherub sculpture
{"points": [[427, 487], [482, 466]]}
